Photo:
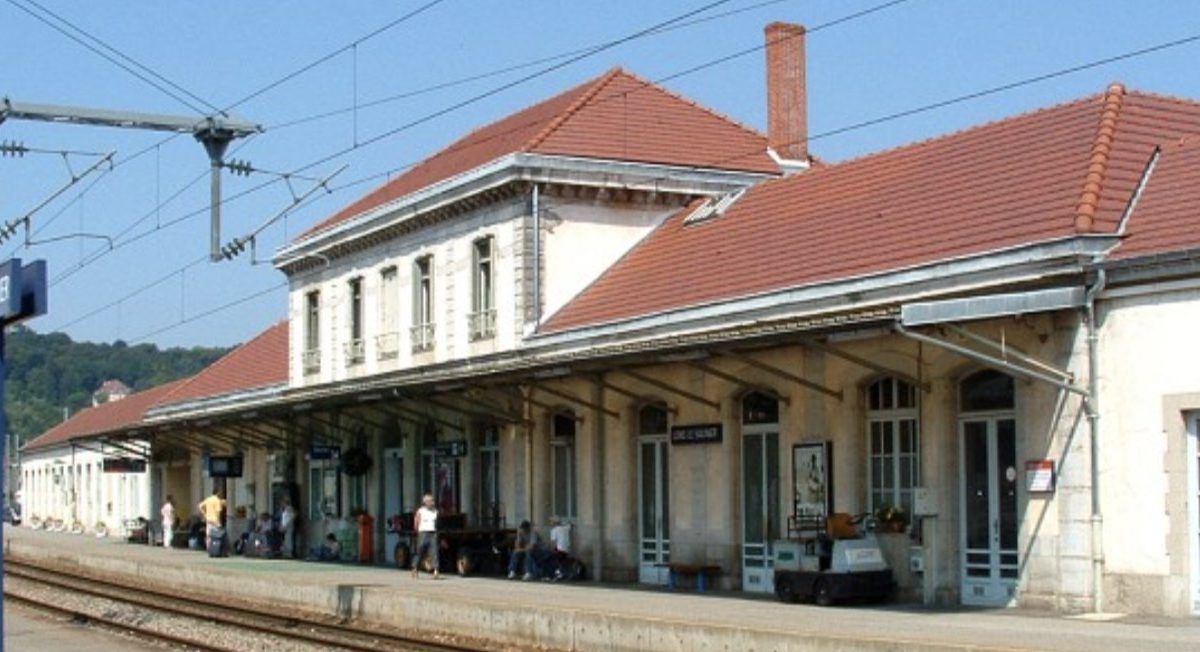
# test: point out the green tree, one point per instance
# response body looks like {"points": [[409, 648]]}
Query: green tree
{"points": [[50, 372]]}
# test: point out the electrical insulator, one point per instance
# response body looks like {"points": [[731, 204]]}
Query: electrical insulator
{"points": [[13, 148], [239, 168], [233, 248]]}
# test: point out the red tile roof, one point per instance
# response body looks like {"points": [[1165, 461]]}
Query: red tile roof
{"points": [[104, 418], [261, 362], [616, 116], [1021, 180], [1167, 217]]}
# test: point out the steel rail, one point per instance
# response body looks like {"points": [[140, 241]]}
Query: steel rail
{"points": [[112, 623], [235, 616]]}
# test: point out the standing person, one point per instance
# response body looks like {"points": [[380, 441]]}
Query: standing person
{"points": [[212, 509], [287, 525], [425, 523], [168, 520]]}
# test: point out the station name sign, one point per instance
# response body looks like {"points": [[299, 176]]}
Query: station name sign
{"points": [[324, 453], [704, 433], [123, 465], [22, 290], [456, 448]]}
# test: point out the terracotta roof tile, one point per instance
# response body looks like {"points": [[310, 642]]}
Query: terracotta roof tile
{"points": [[104, 418], [1017, 181], [259, 363], [1167, 216], [616, 116]]}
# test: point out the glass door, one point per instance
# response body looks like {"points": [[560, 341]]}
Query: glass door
{"points": [[654, 509], [760, 490], [393, 491], [989, 510]]}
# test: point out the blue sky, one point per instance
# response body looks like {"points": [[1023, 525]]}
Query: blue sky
{"points": [[915, 53]]}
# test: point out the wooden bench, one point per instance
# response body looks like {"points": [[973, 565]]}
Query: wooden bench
{"points": [[701, 572]]}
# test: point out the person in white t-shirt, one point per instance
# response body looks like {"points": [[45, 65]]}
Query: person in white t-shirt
{"points": [[560, 537], [425, 523], [168, 520], [287, 526]]}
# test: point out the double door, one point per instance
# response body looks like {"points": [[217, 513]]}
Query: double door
{"points": [[654, 507], [991, 560]]}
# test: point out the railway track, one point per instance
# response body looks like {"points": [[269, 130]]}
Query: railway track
{"points": [[322, 633]]}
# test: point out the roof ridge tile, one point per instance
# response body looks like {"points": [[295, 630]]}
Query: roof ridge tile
{"points": [[687, 100], [1089, 198], [585, 97]]}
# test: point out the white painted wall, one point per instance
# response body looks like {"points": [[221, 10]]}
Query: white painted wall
{"points": [[57, 485], [581, 239], [585, 237], [450, 244], [1149, 349]]}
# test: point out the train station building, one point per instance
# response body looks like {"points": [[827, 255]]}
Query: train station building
{"points": [[623, 310]]}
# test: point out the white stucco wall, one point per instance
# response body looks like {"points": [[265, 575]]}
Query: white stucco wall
{"points": [[450, 245], [584, 238], [1149, 349], [59, 485]]}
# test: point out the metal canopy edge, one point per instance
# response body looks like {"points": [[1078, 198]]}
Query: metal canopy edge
{"points": [[991, 305]]}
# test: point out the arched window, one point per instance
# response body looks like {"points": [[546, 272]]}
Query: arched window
{"points": [[562, 465], [760, 408], [893, 443], [987, 391], [652, 420]]}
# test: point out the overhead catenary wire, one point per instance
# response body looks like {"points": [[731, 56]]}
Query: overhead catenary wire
{"points": [[114, 56], [210, 312], [334, 53], [923, 108], [426, 118], [496, 72]]}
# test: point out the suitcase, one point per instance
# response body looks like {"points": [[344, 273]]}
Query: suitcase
{"points": [[217, 543]]}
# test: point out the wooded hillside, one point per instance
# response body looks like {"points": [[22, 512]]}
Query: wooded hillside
{"points": [[48, 372]]}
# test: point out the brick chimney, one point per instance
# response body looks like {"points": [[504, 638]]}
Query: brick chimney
{"points": [[787, 105]]}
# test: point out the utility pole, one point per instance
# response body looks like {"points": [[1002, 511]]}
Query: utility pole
{"points": [[214, 132]]}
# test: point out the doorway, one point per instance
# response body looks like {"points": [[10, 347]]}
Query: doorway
{"points": [[760, 491], [393, 490], [989, 476], [654, 505]]}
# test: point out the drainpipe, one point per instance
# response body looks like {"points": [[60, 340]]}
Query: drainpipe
{"points": [[1092, 406], [537, 257]]}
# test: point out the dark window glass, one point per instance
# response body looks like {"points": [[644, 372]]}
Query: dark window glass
{"points": [[760, 408], [987, 390], [652, 420], [564, 425]]}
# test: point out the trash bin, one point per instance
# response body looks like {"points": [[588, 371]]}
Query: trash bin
{"points": [[366, 538]]}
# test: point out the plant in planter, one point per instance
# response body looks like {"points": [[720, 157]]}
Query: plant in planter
{"points": [[356, 462], [891, 519]]}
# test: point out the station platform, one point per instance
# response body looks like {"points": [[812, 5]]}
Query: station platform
{"points": [[591, 616]]}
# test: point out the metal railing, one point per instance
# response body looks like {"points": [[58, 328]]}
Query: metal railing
{"points": [[355, 352], [422, 337], [482, 324], [387, 346], [312, 361]]}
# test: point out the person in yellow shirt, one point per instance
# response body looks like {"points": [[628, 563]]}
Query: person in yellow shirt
{"points": [[212, 509]]}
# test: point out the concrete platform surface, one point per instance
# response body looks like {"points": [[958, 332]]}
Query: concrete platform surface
{"points": [[597, 617], [26, 630]]}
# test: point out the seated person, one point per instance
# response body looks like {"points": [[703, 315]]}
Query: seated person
{"points": [[331, 550], [524, 552], [560, 545], [260, 538]]}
